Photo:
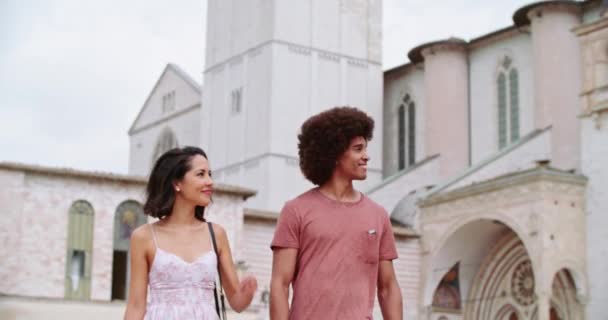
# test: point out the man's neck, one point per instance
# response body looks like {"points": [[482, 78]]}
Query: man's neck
{"points": [[340, 189]]}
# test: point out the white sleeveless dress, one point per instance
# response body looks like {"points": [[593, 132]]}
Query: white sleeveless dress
{"points": [[180, 289]]}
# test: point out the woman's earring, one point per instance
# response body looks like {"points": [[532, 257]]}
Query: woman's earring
{"points": [[177, 189]]}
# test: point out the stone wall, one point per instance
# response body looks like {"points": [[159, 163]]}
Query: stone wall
{"points": [[35, 202]]}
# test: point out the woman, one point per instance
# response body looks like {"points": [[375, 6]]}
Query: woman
{"points": [[174, 256]]}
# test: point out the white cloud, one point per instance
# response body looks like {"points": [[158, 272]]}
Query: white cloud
{"points": [[76, 73]]}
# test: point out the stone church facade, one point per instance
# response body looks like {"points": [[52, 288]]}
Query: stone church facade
{"points": [[488, 154]]}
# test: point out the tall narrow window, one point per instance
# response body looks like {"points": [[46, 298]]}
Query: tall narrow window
{"points": [[236, 100], [411, 134], [406, 133], [401, 136], [514, 104], [502, 111], [508, 103], [79, 251]]}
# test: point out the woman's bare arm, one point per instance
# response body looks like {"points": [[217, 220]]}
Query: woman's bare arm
{"points": [[138, 286], [238, 293]]}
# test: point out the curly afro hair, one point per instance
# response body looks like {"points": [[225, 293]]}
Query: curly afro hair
{"points": [[326, 136]]}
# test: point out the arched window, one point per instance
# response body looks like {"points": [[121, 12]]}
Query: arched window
{"points": [[166, 142], [406, 135], [79, 251], [507, 85], [129, 215]]}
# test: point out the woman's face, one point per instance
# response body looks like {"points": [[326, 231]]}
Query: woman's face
{"points": [[197, 185]]}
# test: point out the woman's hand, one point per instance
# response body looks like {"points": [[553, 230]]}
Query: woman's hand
{"points": [[247, 288], [239, 293]]}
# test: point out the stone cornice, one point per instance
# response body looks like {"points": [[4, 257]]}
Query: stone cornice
{"points": [[292, 46], [585, 29], [111, 177], [260, 214], [418, 53], [538, 174], [405, 232], [521, 17]]}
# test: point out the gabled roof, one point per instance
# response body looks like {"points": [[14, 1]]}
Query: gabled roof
{"points": [[184, 76], [181, 73]]}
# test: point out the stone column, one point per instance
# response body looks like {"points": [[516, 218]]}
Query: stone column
{"points": [[558, 74], [447, 102], [544, 304]]}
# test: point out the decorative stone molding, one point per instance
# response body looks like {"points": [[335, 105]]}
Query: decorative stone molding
{"points": [[329, 56], [594, 46], [235, 60], [255, 52], [544, 210], [217, 70], [357, 63], [299, 49], [252, 164]]}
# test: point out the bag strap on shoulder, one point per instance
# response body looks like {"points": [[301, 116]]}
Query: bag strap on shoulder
{"points": [[218, 302]]}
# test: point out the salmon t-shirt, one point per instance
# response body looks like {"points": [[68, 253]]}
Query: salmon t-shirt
{"points": [[339, 248]]}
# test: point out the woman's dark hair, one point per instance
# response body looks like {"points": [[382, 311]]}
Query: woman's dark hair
{"points": [[326, 136], [169, 168]]}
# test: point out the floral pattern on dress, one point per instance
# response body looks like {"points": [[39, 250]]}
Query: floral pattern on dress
{"points": [[181, 290]]}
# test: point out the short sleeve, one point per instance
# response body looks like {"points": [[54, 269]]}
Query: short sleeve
{"points": [[287, 232], [388, 249]]}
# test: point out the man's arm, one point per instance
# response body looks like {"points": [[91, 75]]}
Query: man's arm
{"points": [[389, 293], [283, 268]]}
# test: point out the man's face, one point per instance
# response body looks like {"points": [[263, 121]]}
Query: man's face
{"points": [[353, 162]]}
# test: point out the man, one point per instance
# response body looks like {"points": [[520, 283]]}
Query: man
{"points": [[332, 243]]}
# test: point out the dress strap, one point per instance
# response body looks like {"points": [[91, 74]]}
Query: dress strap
{"points": [[153, 234]]}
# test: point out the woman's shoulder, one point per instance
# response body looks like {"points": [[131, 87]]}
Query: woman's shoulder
{"points": [[217, 229], [142, 234]]}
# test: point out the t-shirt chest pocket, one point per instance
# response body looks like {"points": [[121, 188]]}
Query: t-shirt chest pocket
{"points": [[370, 246]]}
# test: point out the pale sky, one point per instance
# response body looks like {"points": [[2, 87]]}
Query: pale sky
{"points": [[74, 74]]}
